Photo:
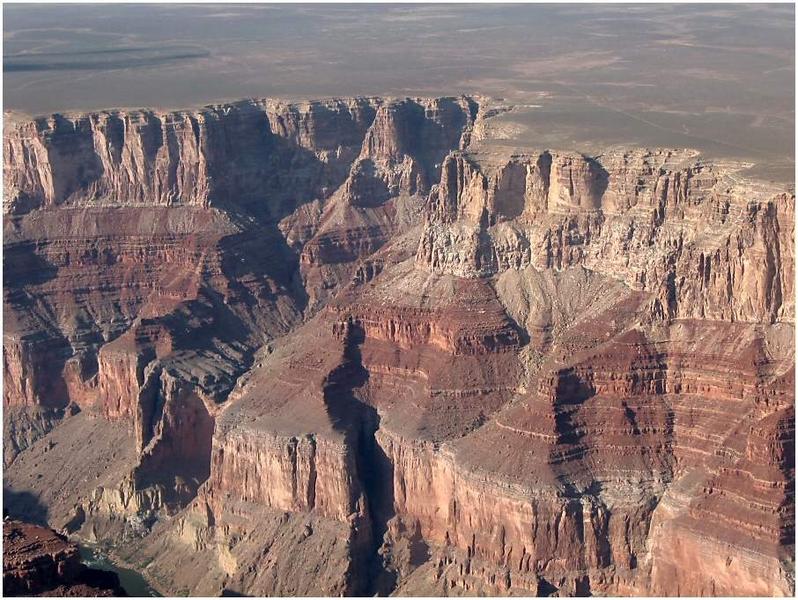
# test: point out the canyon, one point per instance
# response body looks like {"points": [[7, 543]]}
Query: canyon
{"points": [[352, 347]]}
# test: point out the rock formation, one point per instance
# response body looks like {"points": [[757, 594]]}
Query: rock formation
{"points": [[39, 562], [352, 347]]}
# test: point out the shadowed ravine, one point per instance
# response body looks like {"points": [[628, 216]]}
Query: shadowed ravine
{"points": [[359, 422]]}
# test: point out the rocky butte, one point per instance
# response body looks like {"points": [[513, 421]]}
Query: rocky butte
{"points": [[351, 346]]}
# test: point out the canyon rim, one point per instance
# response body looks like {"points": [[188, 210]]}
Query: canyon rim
{"points": [[376, 345]]}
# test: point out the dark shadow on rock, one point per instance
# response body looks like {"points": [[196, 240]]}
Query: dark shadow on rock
{"points": [[254, 261], [22, 266], [419, 549], [365, 189], [359, 422], [545, 588], [571, 393], [600, 179], [24, 506]]}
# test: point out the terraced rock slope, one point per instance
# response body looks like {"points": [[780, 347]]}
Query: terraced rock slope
{"points": [[352, 347]]}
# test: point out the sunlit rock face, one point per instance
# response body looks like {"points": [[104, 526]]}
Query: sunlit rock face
{"points": [[349, 347]]}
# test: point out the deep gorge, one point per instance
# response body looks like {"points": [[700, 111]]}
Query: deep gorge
{"points": [[350, 346]]}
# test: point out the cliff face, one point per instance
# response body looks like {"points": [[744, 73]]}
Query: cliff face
{"points": [[349, 347], [537, 495], [706, 246], [197, 158]]}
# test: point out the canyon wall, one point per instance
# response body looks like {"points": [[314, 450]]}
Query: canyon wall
{"points": [[351, 347], [705, 245]]}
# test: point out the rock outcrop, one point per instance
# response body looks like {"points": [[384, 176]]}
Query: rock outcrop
{"points": [[39, 562], [351, 347]]}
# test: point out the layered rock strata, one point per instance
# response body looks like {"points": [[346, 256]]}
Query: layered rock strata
{"points": [[351, 347]]}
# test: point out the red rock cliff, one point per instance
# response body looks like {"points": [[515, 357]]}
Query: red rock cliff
{"points": [[351, 347]]}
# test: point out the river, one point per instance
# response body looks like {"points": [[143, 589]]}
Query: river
{"points": [[132, 582]]}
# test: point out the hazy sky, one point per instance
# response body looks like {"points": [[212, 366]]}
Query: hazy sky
{"points": [[718, 78]]}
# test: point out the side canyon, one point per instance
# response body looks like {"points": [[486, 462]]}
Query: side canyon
{"points": [[356, 347]]}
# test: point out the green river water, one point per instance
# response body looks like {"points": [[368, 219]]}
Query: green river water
{"points": [[132, 582]]}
